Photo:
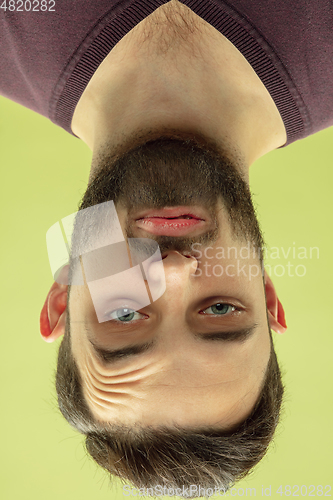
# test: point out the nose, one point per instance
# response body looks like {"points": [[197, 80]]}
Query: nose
{"points": [[177, 270], [179, 263], [173, 276]]}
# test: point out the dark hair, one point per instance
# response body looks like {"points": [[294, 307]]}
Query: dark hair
{"points": [[172, 457]]}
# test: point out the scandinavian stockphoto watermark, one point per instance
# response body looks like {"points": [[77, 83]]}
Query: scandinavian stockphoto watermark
{"points": [[250, 261], [165, 491], [194, 491]]}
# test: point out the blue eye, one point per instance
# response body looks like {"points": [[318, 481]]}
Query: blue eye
{"points": [[125, 315], [220, 309]]}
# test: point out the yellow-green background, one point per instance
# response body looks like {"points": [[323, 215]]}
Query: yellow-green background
{"points": [[44, 173]]}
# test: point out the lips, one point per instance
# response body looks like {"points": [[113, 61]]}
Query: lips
{"points": [[172, 221]]}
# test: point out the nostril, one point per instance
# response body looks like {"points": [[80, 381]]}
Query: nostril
{"points": [[187, 255]]}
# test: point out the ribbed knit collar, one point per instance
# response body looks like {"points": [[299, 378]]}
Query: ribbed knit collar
{"points": [[110, 29]]}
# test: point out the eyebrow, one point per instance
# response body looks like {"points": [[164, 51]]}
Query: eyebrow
{"points": [[239, 336], [111, 356]]}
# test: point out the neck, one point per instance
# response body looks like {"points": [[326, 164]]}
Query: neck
{"points": [[199, 86]]}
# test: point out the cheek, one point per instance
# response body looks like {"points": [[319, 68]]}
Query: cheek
{"points": [[80, 304]]}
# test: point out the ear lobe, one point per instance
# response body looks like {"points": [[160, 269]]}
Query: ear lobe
{"points": [[53, 315], [275, 309]]}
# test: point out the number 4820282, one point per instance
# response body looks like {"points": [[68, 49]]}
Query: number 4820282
{"points": [[28, 5], [304, 491]]}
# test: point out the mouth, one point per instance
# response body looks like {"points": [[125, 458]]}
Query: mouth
{"points": [[173, 221]]}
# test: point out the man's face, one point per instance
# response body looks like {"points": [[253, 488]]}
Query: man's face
{"points": [[197, 356]]}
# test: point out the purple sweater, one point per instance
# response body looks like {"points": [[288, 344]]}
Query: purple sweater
{"points": [[47, 58]]}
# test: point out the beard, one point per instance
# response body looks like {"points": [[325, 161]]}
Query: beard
{"points": [[173, 171]]}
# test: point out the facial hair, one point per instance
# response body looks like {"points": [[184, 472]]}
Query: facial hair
{"points": [[171, 171]]}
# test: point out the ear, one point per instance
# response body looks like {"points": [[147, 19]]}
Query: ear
{"points": [[275, 310], [53, 315]]}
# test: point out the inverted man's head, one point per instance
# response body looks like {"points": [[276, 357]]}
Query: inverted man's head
{"points": [[198, 361]]}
